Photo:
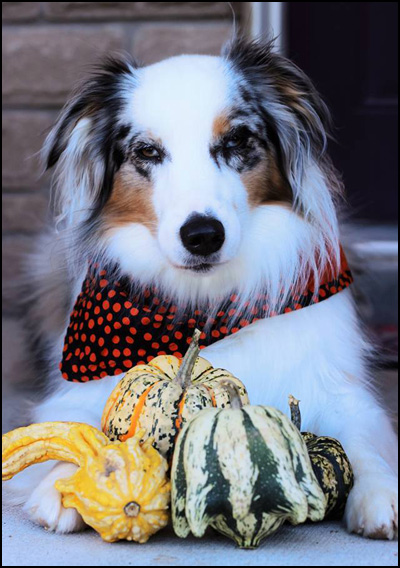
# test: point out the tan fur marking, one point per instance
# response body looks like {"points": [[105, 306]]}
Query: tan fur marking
{"points": [[154, 139], [221, 126], [295, 99], [291, 91], [130, 201], [264, 184]]}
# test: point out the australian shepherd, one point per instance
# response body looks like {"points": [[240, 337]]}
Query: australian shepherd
{"points": [[208, 180]]}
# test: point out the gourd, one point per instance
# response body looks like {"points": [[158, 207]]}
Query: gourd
{"points": [[162, 396], [120, 489], [243, 472], [330, 464]]}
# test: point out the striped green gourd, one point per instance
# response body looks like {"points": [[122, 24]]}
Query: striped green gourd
{"points": [[243, 472], [330, 464]]}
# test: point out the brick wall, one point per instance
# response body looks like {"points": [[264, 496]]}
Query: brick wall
{"points": [[46, 46]]}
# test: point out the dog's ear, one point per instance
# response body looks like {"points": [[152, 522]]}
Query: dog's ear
{"points": [[83, 145], [297, 120], [297, 124]]}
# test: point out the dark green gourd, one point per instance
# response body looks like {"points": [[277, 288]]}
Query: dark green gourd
{"points": [[243, 472], [330, 464]]}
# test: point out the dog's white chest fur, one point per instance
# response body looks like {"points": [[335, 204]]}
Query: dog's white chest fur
{"points": [[305, 353]]}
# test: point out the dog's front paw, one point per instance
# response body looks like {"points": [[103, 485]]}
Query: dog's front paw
{"points": [[45, 508], [372, 508]]}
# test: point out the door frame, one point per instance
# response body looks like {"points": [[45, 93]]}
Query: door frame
{"points": [[268, 19]]}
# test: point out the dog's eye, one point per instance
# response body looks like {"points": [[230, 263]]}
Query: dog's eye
{"points": [[150, 153], [236, 141]]}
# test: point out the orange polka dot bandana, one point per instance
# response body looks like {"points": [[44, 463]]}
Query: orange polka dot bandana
{"points": [[113, 327]]}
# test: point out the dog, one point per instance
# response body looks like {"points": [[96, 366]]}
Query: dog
{"points": [[207, 177]]}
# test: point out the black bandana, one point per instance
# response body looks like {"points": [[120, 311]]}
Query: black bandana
{"points": [[112, 329]]}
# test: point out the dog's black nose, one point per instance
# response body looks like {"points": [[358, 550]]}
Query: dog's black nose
{"points": [[203, 235]]}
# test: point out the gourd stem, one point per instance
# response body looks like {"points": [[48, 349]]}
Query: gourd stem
{"points": [[234, 398], [295, 411], [184, 375]]}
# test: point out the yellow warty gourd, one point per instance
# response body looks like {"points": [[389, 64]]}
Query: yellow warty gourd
{"points": [[120, 489]]}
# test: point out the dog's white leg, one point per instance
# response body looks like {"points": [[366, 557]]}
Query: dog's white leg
{"points": [[44, 506], [34, 487], [369, 439]]}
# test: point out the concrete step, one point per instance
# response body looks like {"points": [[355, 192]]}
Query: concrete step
{"points": [[372, 251]]}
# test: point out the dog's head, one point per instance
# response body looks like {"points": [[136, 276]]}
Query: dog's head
{"points": [[201, 174]]}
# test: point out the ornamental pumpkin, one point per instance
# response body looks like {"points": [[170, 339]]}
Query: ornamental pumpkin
{"points": [[162, 396], [330, 464], [243, 472], [120, 490]]}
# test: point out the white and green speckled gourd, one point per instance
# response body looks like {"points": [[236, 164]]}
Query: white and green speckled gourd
{"points": [[159, 398], [243, 472]]}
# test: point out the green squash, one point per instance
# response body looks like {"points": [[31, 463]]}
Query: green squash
{"points": [[330, 464], [243, 472]]}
